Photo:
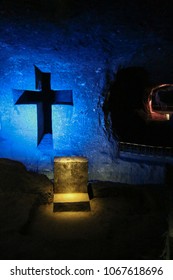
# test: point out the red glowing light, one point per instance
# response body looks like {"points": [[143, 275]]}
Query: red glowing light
{"points": [[160, 102]]}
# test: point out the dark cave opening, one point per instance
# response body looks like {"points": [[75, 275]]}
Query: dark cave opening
{"points": [[126, 103]]}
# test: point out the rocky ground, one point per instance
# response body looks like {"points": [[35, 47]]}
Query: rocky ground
{"points": [[125, 221]]}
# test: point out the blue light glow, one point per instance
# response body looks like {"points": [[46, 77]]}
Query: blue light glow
{"points": [[44, 98], [79, 58]]}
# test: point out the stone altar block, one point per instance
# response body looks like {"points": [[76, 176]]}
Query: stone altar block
{"points": [[70, 184]]}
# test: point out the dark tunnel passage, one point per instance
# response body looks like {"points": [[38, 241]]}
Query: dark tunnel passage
{"points": [[127, 107]]}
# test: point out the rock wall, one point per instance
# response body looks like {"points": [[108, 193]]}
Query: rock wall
{"points": [[82, 54]]}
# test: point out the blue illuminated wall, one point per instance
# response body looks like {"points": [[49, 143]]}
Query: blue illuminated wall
{"points": [[76, 130], [82, 55]]}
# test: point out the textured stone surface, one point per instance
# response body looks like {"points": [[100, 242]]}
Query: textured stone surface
{"points": [[83, 52], [125, 222], [70, 174], [21, 193], [14, 178]]}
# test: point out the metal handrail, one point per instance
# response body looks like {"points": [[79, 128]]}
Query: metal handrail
{"points": [[145, 149]]}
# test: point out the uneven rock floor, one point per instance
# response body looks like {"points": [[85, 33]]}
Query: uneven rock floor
{"points": [[125, 222]]}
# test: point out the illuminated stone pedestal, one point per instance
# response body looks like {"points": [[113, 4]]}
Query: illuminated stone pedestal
{"points": [[70, 184]]}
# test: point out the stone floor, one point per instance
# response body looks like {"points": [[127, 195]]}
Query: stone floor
{"points": [[125, 222]]}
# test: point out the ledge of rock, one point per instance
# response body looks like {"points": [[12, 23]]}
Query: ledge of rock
{"points": [[20, 193], [14, 178]]}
